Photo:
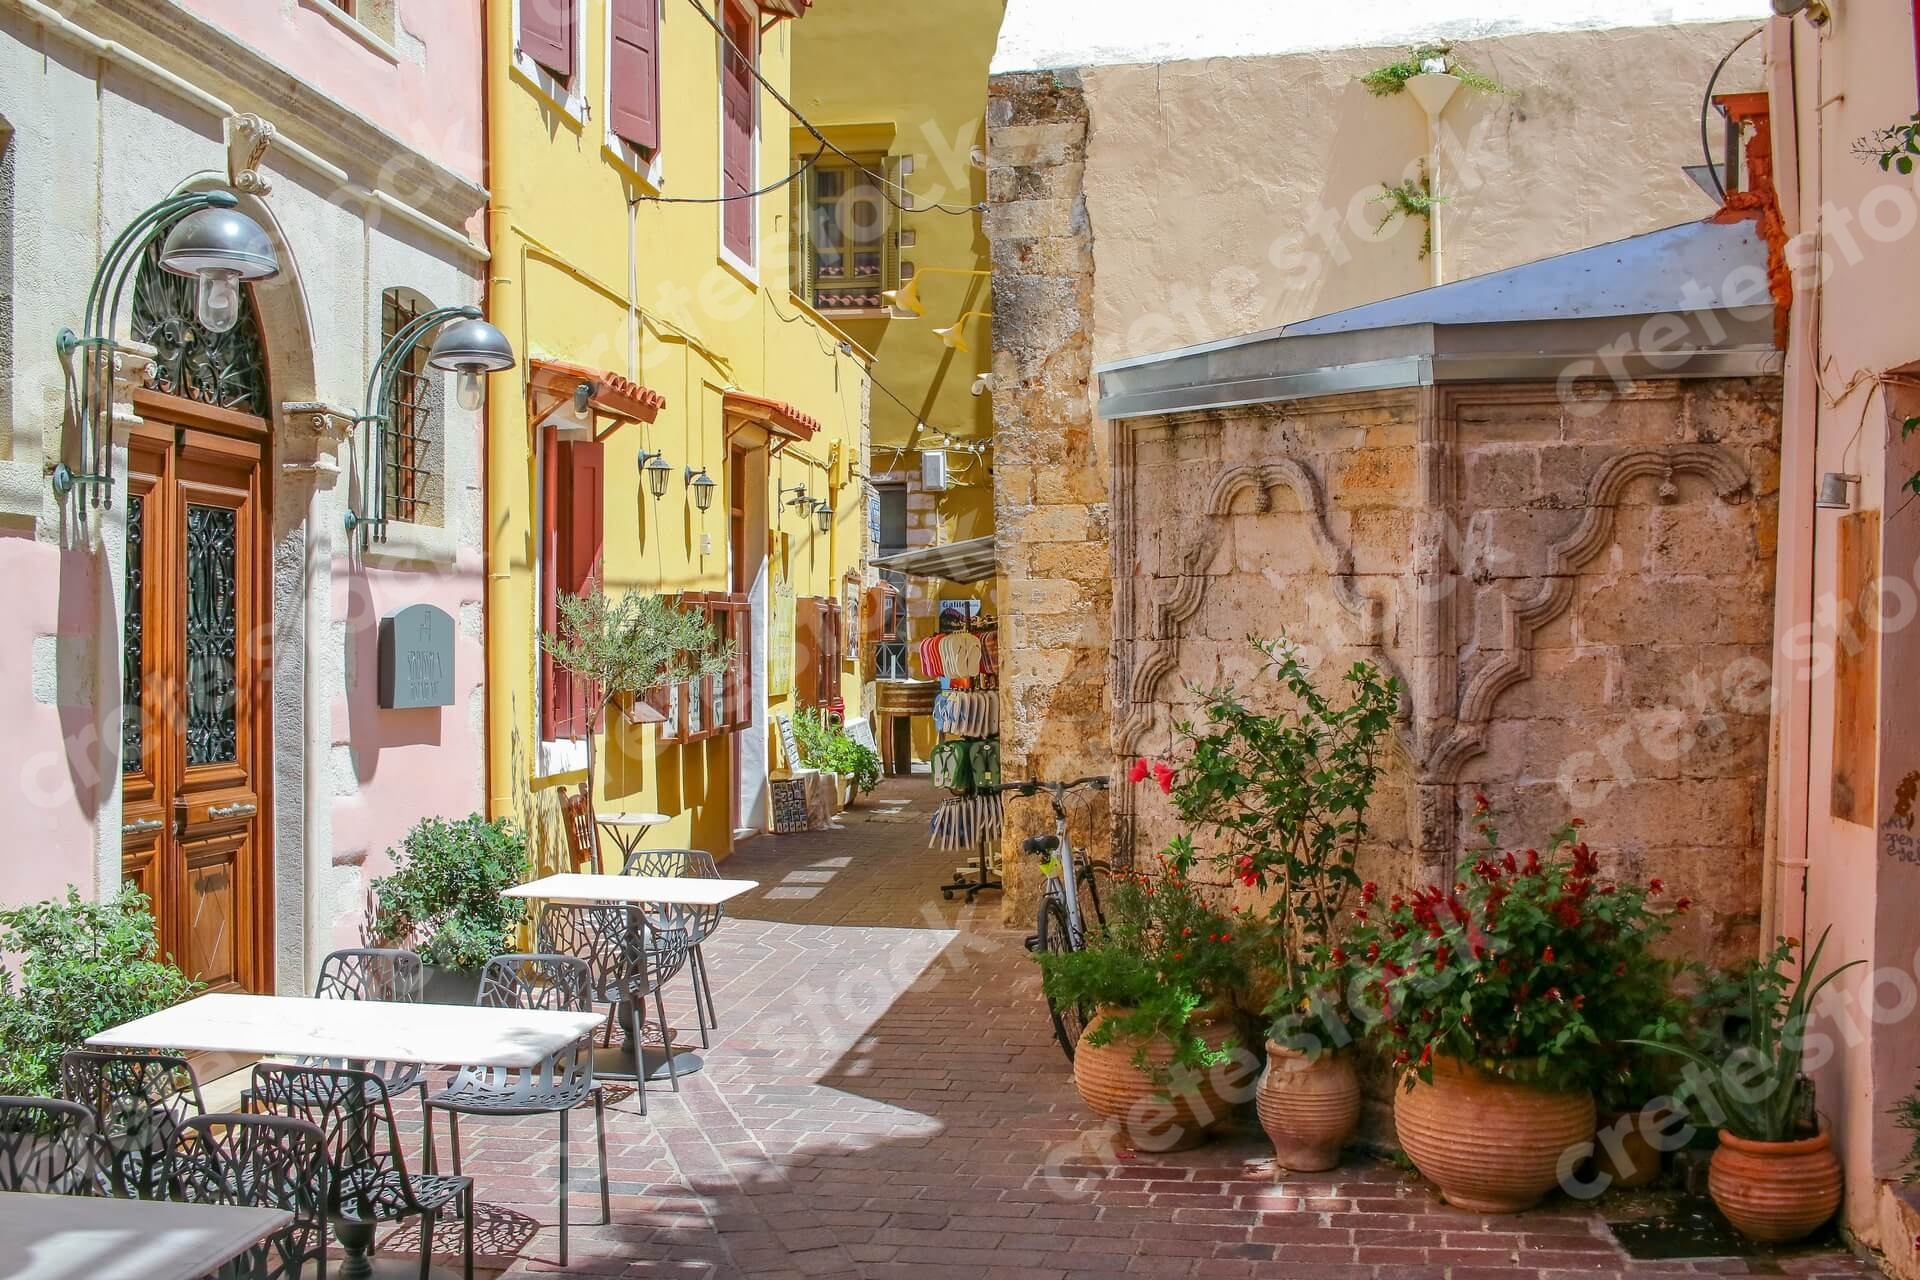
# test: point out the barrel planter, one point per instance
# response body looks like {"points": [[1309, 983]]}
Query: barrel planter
{"points": [[1149, 1118], [1309, 1106], [1492, 1145], [1775, 1192], [449, 986]]}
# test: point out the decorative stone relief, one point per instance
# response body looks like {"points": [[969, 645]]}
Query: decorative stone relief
{"points": [[248, 138]]}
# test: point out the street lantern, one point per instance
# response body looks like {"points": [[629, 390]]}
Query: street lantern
{"points": [[653, 465], [824, 513], [703, 486]]}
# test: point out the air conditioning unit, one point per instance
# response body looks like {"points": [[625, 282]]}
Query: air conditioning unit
{"points": [[933, 471]]}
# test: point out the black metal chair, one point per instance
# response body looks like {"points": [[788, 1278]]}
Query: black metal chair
{"points": [[262, 1162], [46, 1145], [559, 1085], [367, 1178], [139, 1102], [374, 973], [620, 950], [701, 922]]}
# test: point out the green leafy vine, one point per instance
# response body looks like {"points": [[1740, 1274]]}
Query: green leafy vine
{"points": [[1384, 82], [1412, 198]]}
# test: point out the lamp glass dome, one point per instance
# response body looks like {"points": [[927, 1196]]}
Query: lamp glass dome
{"points": [[658, 474], [221, 248], [471, 346], [703, 486], [824, 514]]}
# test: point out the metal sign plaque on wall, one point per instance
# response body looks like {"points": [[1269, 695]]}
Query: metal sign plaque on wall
{"points": [[416, 658]]}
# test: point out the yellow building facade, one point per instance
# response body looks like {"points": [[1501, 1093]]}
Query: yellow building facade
{"points": [[903, 88], [679, 422]]}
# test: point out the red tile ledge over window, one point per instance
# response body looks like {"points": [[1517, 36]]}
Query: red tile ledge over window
{"points": [[778, 416], [613, 395], [786, 8]]}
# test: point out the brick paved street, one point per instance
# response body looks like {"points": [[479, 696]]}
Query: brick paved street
{"points": [[882, 1101]]}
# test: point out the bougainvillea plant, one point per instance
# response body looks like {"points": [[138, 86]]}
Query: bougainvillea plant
{"points": [[1531, 966], [1278, 801]]}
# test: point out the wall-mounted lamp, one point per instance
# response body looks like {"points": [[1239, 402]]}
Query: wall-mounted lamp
{"points": [[955, 334], [465, 345], [799, 498], [983, 384], [905, 300], [1836, 492], [582, 397], [207, 239], [1817, 13], [823, 513], [703, 486], [653, 465]]}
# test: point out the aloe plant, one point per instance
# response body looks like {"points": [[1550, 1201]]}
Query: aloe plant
{"points": [[1756, 1091]]}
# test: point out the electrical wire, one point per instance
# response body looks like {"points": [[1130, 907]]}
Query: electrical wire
{"points": [[753, 69], [1706, 105], [795, 176]]}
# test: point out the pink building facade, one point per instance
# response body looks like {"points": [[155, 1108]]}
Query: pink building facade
{"points": [[190, 663], [1843, 850]]}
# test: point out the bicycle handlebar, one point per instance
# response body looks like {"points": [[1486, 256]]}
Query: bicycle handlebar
{"points": [[1057, 790]]}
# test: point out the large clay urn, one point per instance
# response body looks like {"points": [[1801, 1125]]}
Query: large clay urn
{"points": [[1309, 1107], [1490, 1144], [1775, 1192], [1152, 1118]]}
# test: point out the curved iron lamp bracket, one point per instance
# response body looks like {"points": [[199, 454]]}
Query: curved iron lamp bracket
{"points": [[377, 417]]}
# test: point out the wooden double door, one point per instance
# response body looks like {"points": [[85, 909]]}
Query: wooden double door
{"points": [[196, 672]]}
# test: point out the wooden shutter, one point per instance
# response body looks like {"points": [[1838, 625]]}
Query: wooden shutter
{"points": [[575, 532], [738, 215], [546, 34], [635, 92], [800, 259], [890, 233]]}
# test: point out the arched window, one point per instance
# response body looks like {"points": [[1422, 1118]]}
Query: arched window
{"points": [[416, 442]]}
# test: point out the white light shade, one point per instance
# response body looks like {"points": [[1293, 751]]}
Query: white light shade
{"points": [[219, 240]]}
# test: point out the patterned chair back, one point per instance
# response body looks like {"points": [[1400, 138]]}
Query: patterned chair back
{"points": [[46, 1145], [367, 1171], [610, 939], [260, 1162], [139, 1102]]}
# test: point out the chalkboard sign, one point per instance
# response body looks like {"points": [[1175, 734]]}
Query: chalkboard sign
{"points": [[416, 658]]}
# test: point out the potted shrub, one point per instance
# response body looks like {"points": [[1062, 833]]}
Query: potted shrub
{"points": [[443, 900], [825, 745], [1279, 800], [82, 967], [1492, 998], [1159, 1058], [1774, 1174]]}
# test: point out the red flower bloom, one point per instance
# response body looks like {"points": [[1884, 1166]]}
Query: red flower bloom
{"points": [[1361, 916], [1553, 994], [1579, 1002], [1546, 957], [1512, 864], [1226, 937], [1138, 773], [1368, 892], [1654, 886], [1480, 802], [1578, 822], [1426, 1054], [1339, 956], [1163, 774], [1373, 951], [1683, 904]]}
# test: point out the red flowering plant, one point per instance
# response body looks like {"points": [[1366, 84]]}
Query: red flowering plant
{"points": [[1278, 802], [1531, 966]]}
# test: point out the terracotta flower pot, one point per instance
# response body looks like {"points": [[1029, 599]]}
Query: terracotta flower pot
{"points": [[1490, 1144], [1628, 1157], [1775, 1192], [1308, 1106], [1150, 1119]]}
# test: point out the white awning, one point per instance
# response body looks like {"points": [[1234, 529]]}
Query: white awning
{"points": [[961, 562]]}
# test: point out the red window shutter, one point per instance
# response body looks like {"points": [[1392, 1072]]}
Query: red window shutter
{"points": [[737, 98], [636, 72], [574, 531], [546, 34]]}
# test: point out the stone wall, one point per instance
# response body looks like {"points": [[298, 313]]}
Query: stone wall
{"points": [[1579, 603], [1050, 510]]}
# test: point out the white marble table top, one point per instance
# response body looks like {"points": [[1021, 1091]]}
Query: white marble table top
{"points": [[664, 891], [368, 1030], [631, 819], [96, 1238]]}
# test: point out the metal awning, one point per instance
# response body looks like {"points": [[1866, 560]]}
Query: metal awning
{"points": [[961, 562]]}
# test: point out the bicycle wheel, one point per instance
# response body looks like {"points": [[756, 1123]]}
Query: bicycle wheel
{"points": [[1068, 1020], [1091, 915]]}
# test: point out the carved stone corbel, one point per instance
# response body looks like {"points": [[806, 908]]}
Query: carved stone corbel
{"points": [[133, 366], [248, 138], [322, 424]]}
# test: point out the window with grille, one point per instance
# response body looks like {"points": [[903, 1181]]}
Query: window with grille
{"points": [[345, 6], [412, 442], [846, 241]]}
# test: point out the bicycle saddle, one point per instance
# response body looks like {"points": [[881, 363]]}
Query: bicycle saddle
{"points": [[1041, 844]]}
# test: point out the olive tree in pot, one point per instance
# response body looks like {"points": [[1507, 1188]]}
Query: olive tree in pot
{"points": [[443, 900], [82, 967], [1774, 1173], [624, 649], [1278, 802]]}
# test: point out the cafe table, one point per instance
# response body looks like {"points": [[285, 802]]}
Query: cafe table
{"points": [[629, 829], [46, 1237], [638, 892], [357, 1030]]}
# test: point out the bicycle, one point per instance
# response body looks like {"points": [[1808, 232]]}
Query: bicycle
{"points": [[1072, 896]]}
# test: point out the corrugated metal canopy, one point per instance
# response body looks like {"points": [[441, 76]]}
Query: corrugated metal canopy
{"points": [[962, 562]]}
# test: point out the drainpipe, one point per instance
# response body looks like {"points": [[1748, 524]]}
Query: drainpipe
{"points": [[1433, 91], [486, 418]]}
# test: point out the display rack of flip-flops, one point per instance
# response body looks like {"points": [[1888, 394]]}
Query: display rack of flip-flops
{"points": [[966, 760]]}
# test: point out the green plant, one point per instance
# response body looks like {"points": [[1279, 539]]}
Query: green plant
{"points": [[443, 897], [1906, 1114], [1384, 82], [1281, 801], [1893, 148], [1755, 1089], [1530, 967], [83, 967], [630, 646], [824, 744], [1413, 198], [1164, 955]]}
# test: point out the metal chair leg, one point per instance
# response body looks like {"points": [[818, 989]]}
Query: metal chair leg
{"points": [[563, 1188], [666, 1038], [635, 1006], [428, 1158], [466, 1237], [600, 1124], [699, 1013], [453, 1132], [427, 1221], [705, 985]]}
